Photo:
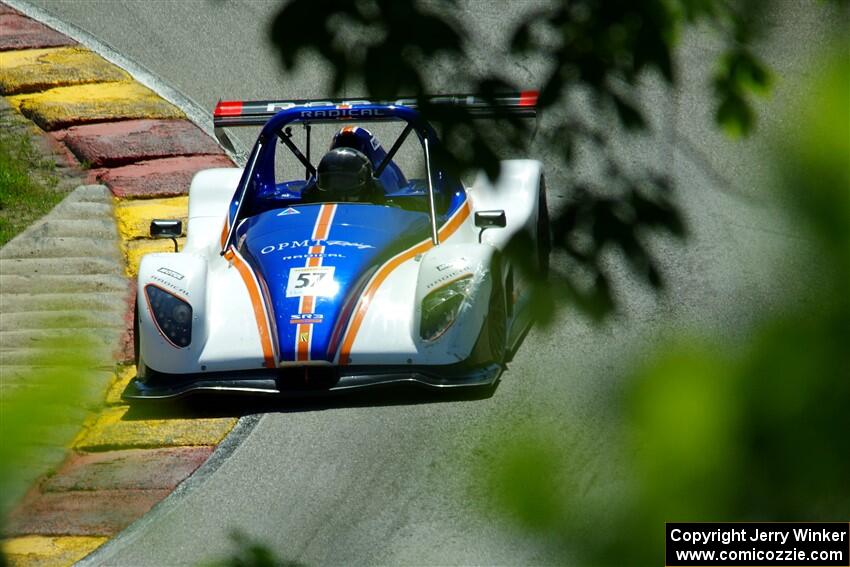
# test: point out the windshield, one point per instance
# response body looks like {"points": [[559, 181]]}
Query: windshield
{"points": [[286, 175], [282, 169]]}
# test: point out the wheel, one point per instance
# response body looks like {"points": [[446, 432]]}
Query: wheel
{"points": [[492, 343], [544, 231], [497, 321]]}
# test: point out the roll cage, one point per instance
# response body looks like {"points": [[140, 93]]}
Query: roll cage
{"points": [[277, 128], [277, 116]]}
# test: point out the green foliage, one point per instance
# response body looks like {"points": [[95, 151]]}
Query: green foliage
{"points": [[26, 184], [709, 431], [251, 553], [42, 407], [739, 73], [530, 460], [603, 50]]}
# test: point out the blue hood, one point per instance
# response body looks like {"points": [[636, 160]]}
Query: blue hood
{"points": [[359, 238]]}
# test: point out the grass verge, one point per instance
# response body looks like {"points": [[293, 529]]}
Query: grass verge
{"points": [[27, 183]]}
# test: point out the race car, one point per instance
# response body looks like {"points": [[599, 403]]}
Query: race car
{"points": [[354, 274]]}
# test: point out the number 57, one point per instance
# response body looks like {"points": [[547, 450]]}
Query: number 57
{"points": [[309, 280]]}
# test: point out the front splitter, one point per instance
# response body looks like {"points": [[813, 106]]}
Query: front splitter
{"points": [[331, 382]]}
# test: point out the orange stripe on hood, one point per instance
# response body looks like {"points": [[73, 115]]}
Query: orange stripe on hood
{"points": [[323, 222], [257, 303], [368, 294], [304, 332]]}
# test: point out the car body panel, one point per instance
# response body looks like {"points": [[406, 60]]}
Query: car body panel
{"points": [[340, 243]]}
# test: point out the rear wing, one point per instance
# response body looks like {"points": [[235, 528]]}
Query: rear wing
{"points": [[258, 112]]}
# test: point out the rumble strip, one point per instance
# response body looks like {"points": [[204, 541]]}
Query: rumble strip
{"points": [[145, 151]]}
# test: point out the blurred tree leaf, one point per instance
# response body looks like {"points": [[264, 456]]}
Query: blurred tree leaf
{"points": [[734, 115], [603, 49], [708, 430], [43, 407], [525, 481], [739, 72], [249, 552]]}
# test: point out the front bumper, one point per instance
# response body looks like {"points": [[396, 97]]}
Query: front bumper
{"points": [[311, 381]]}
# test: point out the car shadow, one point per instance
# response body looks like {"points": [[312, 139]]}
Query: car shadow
{"points": [[207, 405]]}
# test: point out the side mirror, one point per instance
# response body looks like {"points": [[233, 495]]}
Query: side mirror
{"points": [[489, 219], [167, 229]]}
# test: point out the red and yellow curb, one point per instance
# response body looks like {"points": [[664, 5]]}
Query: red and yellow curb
{"points": [[19, 32], [165, 177], [112, 144], [123, 461], [134, 216], [61, 107], [115, 428], [44, 550], [34, 70]]}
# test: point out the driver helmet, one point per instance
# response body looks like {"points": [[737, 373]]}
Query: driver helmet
{"points": [[345, 174]]}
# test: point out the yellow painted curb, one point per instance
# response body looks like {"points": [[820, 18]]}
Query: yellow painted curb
{"points": [[31, 70], [123, 375], [134, 217], [44, 551], [79, 87], [66, 106], [111, 429], [135, 249]]}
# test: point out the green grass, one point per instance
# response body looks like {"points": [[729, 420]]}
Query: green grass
{"points": [[27, 184]]}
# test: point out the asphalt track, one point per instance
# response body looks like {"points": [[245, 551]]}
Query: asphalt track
{"points": [[381, 481]]}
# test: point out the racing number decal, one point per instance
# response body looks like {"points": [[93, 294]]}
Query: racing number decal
{"points": [[317, 281], [311, 281]]}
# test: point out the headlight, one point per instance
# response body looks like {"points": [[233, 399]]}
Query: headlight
{"points": [[440, 307], [172, 316]]}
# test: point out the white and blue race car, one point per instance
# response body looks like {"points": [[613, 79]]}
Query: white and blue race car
{"points": [[278, 290]]}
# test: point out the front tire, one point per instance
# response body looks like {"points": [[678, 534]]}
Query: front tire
{"points": [[492, 344], [544, 231], [141, 368]]}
